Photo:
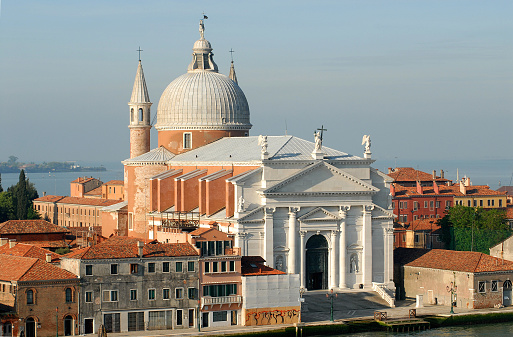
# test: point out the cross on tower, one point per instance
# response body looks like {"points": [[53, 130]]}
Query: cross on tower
{"points": [[139, 50], [322, 129], [231, 53]]}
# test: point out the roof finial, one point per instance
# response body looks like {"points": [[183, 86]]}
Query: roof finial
{"points": [[231, 53], [139, 50], [202, 26]]}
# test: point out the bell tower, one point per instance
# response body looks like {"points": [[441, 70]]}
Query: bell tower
{"points": [[139, 115]]}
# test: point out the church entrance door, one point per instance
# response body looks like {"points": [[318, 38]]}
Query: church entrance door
{"points": [[317, 263]]}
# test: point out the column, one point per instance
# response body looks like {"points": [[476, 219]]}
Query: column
{"points": [[367, 245], [342, 256], [239, 242], [333, 260], [303, 258], [291, 263], [389, 263], [268, 253]]}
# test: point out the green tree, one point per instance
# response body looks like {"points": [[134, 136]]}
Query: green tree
{"points": [[23, 193], [1, 189], [12, 160], [476, 229], [6, 206]]}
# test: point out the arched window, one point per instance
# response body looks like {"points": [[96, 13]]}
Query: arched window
{"points": [[132, 115], [140, 115], [69, 295], [30, 296]]}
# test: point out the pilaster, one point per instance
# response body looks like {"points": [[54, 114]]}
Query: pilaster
{"points": [[269, 236], [292, 240], [303, 258], [367, 245], [342, 256]]}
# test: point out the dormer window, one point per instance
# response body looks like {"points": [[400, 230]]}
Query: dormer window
{"points": [[187, 140]]}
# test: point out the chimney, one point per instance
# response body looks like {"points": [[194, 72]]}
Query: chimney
{"points": [[419, 187], [140, 246], [392, 190], [435, 187], [4, 241], [463, 188], [12, 243], [44, 193], [48, 257], [442, 174], [390, 170], [434, 174], [467, 181]]}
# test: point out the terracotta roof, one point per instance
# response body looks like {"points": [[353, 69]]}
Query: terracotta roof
{"points": [[254, 266], [509, 212], [95, 191], [476, 190], [48, 243], [403, 256], [121, 247], [444, 190], [199, 231], [87, 201], [410, 174], [83, 180], [17, 268], [26, 250], [49, 198], [470, 262], [507, 189], [425, 225], [30, 227], [115, 182]]}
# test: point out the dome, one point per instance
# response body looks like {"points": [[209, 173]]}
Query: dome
{"points": [[203, 99]]}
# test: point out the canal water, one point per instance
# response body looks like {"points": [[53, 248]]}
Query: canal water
{"points": [[485, 330]]}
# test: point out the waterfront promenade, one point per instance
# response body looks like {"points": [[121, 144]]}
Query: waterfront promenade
{"points": [[349, 305]]}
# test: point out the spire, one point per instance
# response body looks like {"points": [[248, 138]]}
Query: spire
{"points": [[232, 75], [140, 92]]}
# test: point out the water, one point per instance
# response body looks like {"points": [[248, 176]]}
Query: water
{"points": [[58, 183], [500, 329]]}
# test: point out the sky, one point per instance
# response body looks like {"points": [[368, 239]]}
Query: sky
{"points": [[428, 80]]}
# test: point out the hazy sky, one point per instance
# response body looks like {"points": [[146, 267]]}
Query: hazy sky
{"points": [[426, 79]]}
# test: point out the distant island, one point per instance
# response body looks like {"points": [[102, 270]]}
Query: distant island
{"points": [[13, 166]]}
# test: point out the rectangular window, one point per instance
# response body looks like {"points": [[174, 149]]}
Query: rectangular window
{"points": [[114, 269], [414, 217], [438, 204], [493, 202], [192, 293], [165, 293], [469, 203], [404, 237], [220, 316], [481, 286], [179, 317], [89, 296], [113, 295], [223, 266], [151, 267], [187, 140], [133, 294], [500, 202], [179, 267], [475, 203], [417, 238], [393, 204], [89, 269], [481, 203], [232, 265], [190, 266], [215, 267], [207, 267], [134, 268], [165, 267], [425, 204], [151, 294], [447, 204], [488, 202], [431, 204], [179, 293], [494, 286], [415, 205]]}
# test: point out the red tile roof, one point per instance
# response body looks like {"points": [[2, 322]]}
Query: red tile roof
{"points": [[115, 182], [87, 201], [48, 243], [470, 262], [254, 266], [509, 212], [49, 198], [17, 268], [96, 191], [121, 247], [444, 190], [30, 227], [26, 250], [83, 180], [410, 174], [425, 225]]}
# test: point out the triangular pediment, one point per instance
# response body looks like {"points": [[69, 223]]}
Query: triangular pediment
{"points": [[256, 215], [379, 212], [318, 214], [321, 177]]}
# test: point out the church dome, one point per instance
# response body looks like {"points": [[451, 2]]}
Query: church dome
{"points": [[203, 99]]}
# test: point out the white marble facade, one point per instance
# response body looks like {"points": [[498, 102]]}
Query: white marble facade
{"points": [[345, 202]]}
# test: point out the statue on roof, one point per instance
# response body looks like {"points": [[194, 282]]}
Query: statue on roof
{"points": [[202, 29], [262, 141], [318, 141], [367, 142]]}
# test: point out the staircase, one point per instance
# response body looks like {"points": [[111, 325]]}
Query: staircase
{"points": [[385, 293]]}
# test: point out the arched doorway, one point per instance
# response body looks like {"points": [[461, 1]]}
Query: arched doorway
{"points": [[30, 327], [68, 325], [317, 263], [506, 293]]}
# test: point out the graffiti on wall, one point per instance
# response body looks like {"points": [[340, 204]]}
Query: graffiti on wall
{"points": [[271, 317]]}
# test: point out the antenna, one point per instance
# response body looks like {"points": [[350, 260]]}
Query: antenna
{"points": [[285, 126]]}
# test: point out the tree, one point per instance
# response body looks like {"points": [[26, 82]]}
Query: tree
{"points": [[1, 189], [6, 206], [12, 160], [23, 193], [475, 229]]}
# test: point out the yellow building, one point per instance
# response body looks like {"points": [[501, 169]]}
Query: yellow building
{"points": [[478, 196]]}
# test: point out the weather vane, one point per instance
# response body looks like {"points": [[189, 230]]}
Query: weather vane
{"points": [[139, 50]]}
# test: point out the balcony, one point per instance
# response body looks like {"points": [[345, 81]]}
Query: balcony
{"points": [[232, 299]]}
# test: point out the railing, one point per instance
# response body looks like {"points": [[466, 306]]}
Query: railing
{"points": [[233, 299], [384, 292]]}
